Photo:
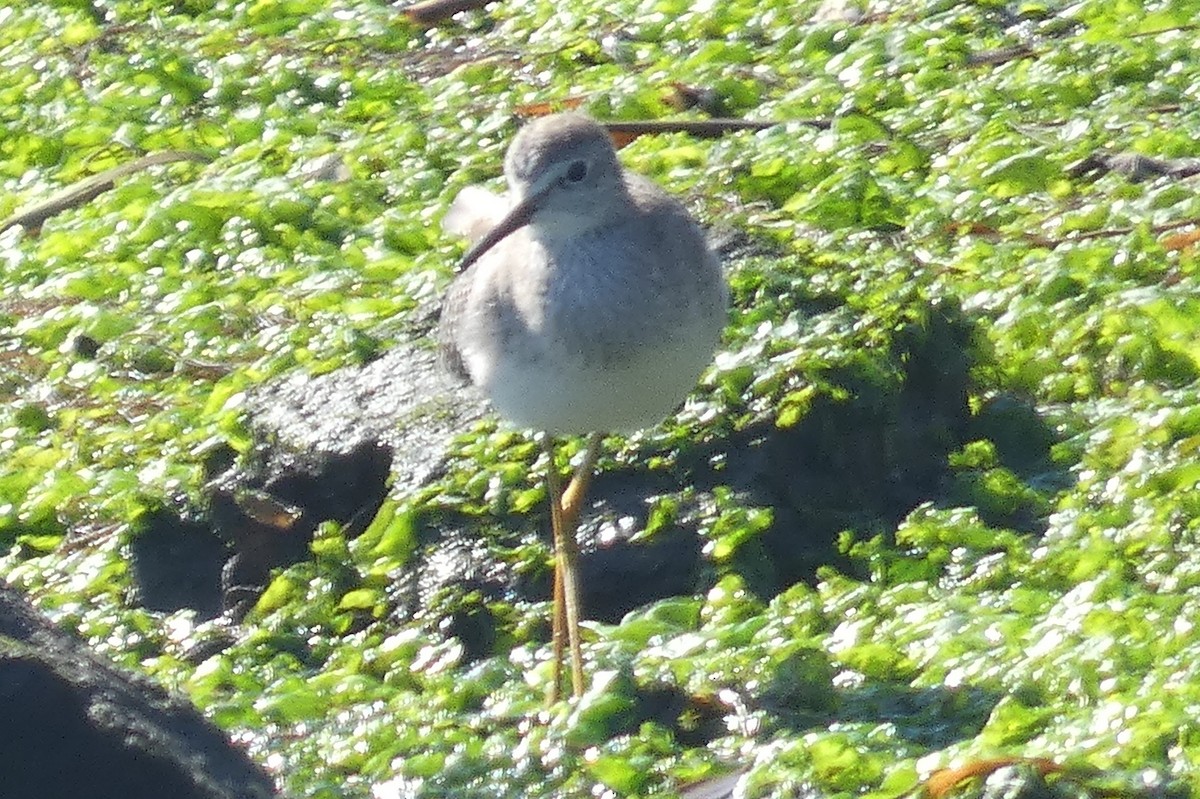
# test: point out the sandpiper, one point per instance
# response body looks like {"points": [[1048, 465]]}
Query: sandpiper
{"points": [[589, 303]]}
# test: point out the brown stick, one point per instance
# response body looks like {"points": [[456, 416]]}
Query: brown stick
{"points": [[625, 132], [82, 191], [431, 12]]}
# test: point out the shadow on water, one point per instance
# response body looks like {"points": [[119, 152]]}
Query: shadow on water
{"points": [[931, 717]]}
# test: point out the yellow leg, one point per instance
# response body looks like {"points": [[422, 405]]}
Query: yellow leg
{"points": [[558, 624], [572, 498], [564, 516]]}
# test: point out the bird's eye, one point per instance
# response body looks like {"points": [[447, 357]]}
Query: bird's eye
{"points": [[577, 171]]}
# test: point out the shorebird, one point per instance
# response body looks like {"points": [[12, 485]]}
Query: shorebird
{"points": [[589, 303]]}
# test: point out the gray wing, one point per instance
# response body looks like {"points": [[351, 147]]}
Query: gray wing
{"points": [[453, 307]]}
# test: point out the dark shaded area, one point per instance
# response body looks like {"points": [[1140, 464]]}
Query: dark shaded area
{"points": [[459, 570], [802, 696], [1015, 492], [1135, 166], [860, 459], [76, 727], [1022, 439], [933, 717], [646, 571], [260, 515], [619, 575], [327, 448], [452, 583], [693, 721], [177, 564], [268, 508]]}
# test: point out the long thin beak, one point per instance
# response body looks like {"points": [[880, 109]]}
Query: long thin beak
{"points": [[513, 221]]}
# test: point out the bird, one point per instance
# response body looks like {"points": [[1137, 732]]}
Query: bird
{"points": [[589, 303]]}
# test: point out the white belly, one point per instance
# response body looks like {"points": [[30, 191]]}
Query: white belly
{"points": [[572, 398]]}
